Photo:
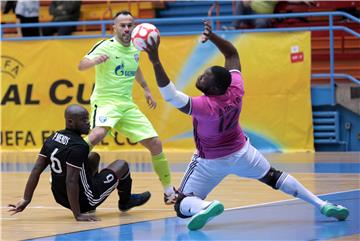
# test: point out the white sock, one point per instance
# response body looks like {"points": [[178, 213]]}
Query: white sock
{"points": [[192, 205], [291, 186]]}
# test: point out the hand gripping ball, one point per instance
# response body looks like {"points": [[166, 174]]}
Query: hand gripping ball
{"points": [[142, 33]]}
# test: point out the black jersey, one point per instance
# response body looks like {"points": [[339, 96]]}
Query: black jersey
{"points": [[64, 148]]}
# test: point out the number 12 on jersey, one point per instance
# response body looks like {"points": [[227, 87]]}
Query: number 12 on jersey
{"points": [[228, 120]]}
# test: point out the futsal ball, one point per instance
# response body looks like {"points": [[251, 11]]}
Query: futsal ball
{"points": [[142, 33]]}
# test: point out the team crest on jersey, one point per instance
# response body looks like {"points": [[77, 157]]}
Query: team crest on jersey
{"points": [[102, 119], [136, 57]]}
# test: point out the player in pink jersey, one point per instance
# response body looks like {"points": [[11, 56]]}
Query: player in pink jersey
{"points": [[222, 147]]}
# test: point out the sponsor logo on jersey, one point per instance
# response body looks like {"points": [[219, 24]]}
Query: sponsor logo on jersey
{"points": [[121, 71]]}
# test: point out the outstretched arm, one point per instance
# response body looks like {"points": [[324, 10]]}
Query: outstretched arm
{"points": [[232, 60], [167, 88], [31, 184]]}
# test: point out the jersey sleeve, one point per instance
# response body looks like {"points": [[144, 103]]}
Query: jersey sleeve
{"points": [[43, 152], [97, 50], [77, 156], [237, 80]]}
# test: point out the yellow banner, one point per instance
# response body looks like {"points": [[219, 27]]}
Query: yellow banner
{"points": [[40, 78]]}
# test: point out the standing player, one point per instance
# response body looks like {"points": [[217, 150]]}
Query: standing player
{"points": [[76, 183], [222, 147], [116, 63]]}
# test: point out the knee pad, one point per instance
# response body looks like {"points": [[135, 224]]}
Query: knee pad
{"points": [[181, 196], [272, 177]]}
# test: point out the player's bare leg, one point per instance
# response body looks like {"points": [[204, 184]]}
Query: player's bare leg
{"points": [[96, 135], [288, 184], [94, 162]]}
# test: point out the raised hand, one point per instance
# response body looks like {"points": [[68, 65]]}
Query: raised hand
{"points": [[19, 207], [207, 31], [153, 50]]}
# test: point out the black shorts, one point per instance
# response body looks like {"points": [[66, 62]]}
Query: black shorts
{"points": [[92, 192]]}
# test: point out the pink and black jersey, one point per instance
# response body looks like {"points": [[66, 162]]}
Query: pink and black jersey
{"points": [[217, 132]]}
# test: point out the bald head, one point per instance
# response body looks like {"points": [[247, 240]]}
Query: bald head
{"points": [[77, 119], [73, 110]]}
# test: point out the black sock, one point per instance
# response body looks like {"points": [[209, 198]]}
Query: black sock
{"points": [[124, 188]]}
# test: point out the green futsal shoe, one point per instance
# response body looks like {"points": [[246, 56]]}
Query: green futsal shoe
{"points": [[200, 219], [337, 211]]}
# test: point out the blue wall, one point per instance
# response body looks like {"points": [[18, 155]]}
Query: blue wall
{"points": [[349, 130]]}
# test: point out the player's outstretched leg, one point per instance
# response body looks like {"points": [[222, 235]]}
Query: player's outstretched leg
{"points": [[288, 184], [200, 211]]}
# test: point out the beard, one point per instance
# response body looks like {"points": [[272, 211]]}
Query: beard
{"points": [[126, 38]]}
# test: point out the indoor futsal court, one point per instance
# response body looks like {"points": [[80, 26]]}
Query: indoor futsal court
{"points": [[253, 211], [298, 92]]}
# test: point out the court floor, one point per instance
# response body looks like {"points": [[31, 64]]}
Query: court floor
{"points": [[253, 210]]}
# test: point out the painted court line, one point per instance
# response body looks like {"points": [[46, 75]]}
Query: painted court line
{"points": [[161, 209], [287, 200], [59, 207], [172, 229]]}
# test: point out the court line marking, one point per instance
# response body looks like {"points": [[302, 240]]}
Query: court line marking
{"points": [[100, 208], [227, 209], [286, 200], [242, 207]]}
